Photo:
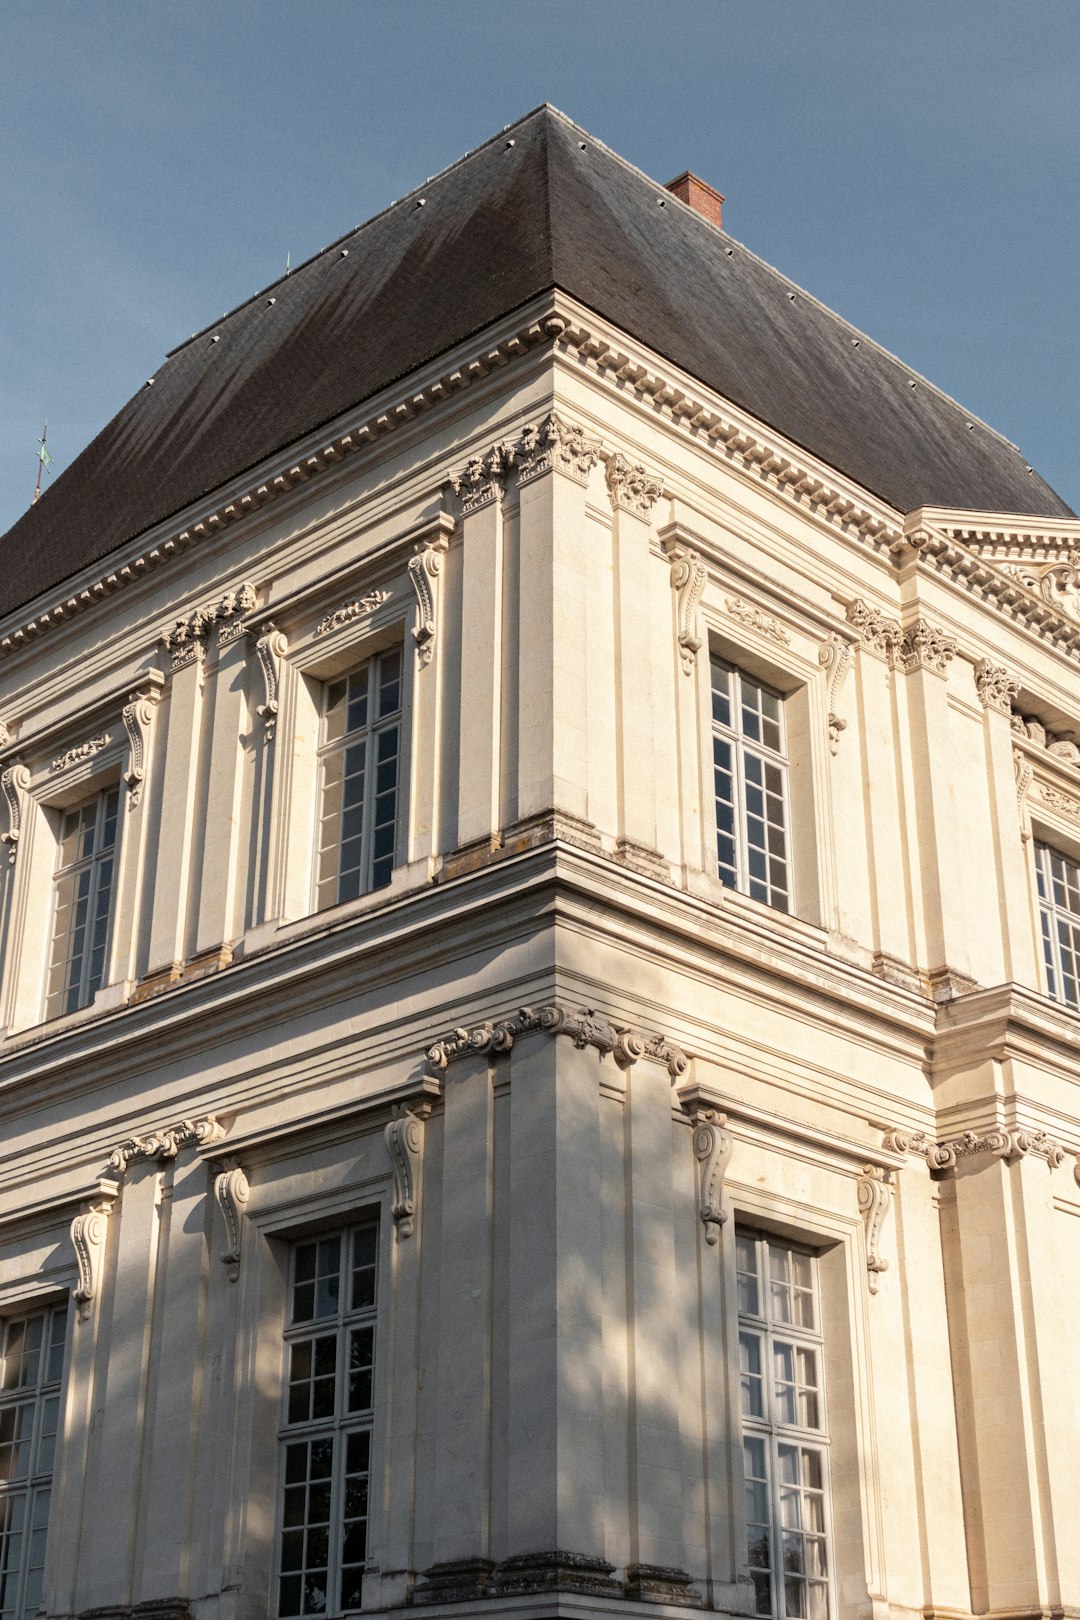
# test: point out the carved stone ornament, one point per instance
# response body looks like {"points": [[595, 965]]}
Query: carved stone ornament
{"points": [[166, 1144], [138, 714], [999, 1143], [755, 619], [926, 647], [404, 1138], [712, 1150], [1057, 800], [1022, 770], [835, 656], [14, 782], [1058, 747], [185, 640], [88, 1233], [482, 478], [425, 565], [584, 1027], [875, 1196], [232, 1192], [349, 612], [270, 648], [996, 687], [688, 576], [86, 750], [556, 445], [878, 635], [5, 734], [632, 489]]}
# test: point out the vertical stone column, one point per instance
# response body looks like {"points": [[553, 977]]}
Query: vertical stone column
{"points": [[175, 852], [554, 462], [225, 845], [633, 494], [480, 722]]}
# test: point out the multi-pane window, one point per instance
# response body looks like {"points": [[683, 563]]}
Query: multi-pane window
{"points": [[750, 785], [785, 1443], [85, 872], [1059, 919], [361, 779], [326, 1429], [31, 1365]]}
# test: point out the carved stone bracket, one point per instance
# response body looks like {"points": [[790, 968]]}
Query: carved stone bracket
{"points": [[688, 575], [556, 445], [482, 478], [755, 619], [583, 1026], [712, 1150], [878, 635], [185, 640], [925, 646], [232, 1192], [1023, 772], [631, 488], [425, 565], [997, 689], [875, 1196], [88, 1233], [358, 608], [166, 1144], [5, 734], [270, 648], [86, 750], [14, 782], [999, 1143], [138, 714], [835, 656], [404, 1138]]}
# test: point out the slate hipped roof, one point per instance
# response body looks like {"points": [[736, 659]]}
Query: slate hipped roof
{"points": [[541, 205]]}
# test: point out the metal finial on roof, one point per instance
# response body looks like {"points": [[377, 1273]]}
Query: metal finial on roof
{"points": [[45, 462]]}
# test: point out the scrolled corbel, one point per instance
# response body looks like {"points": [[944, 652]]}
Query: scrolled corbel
{"points": [[875, 1197], [138, 713], [271, 648], [712, 1150], [688, 575], [14, 782], [88, 1232], [425, 565], [404, 1138], [232, 1192], [835, 656]]}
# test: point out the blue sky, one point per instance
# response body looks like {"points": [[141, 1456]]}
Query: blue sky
{"points": [[914, 165]]}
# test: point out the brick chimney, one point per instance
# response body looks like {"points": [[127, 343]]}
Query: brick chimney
{"points": [[699, 194]]}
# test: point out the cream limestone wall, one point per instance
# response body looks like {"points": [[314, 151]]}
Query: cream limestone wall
{"points": [[559, 1059]]}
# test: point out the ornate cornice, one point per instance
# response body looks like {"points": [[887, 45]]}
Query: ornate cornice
{"points": [[357, 608], [583, 1026], [996, 687], [166, 1144], [631, 487], [999, 1143]]}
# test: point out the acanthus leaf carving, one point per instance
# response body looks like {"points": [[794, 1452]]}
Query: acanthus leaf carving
{"points": [[712, 1150], [631, 487], [583, 1026], [688, 576], [766, 624], [556, 445], [425, 566], [926, 646], [358, 608], [232, 1192], [997, 689], [88, 1233], [878, 634], [999, 1142], [270, 649], [185, 638], [14, 782], [835, 656], [875, 1196], [86, 750], [482, 478], [166, 1144], [404, 1138]]}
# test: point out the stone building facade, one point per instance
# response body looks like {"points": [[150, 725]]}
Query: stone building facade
{"points": [[541, 909]]}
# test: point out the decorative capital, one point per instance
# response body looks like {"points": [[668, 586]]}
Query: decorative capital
{"points": [[584, 1026], [404, 1138], [712, 1150], [88, 1233], [925, 646], [878, 635], [997, 689], [425, 566], [166, 1144], [688, 576], [270, 648], [185, 640], [755, 619], [232, 1192], [482, 478], [358, 608], [998, 1143], [14, 782], [632, 489], [556, 445], [875, 1196]]}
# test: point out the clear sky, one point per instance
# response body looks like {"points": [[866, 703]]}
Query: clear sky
{"points": [[914, 164]]}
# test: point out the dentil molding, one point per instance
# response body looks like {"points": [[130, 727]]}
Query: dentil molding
{"points": [[584, 1027], [88, 1232], [166, 1144]]}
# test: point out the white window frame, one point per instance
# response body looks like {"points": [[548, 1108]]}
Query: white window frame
{"points": [[375, 727], [93, 864], [1061, 962], [44, 1399], [750, 754], [771, 1432]]}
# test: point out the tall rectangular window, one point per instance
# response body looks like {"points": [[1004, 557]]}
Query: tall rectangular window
{"points": [[1059, 919], [86, 864], [360, 760], [326, 1428], [750, 785], [785, 1439], [31, 1367]]}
